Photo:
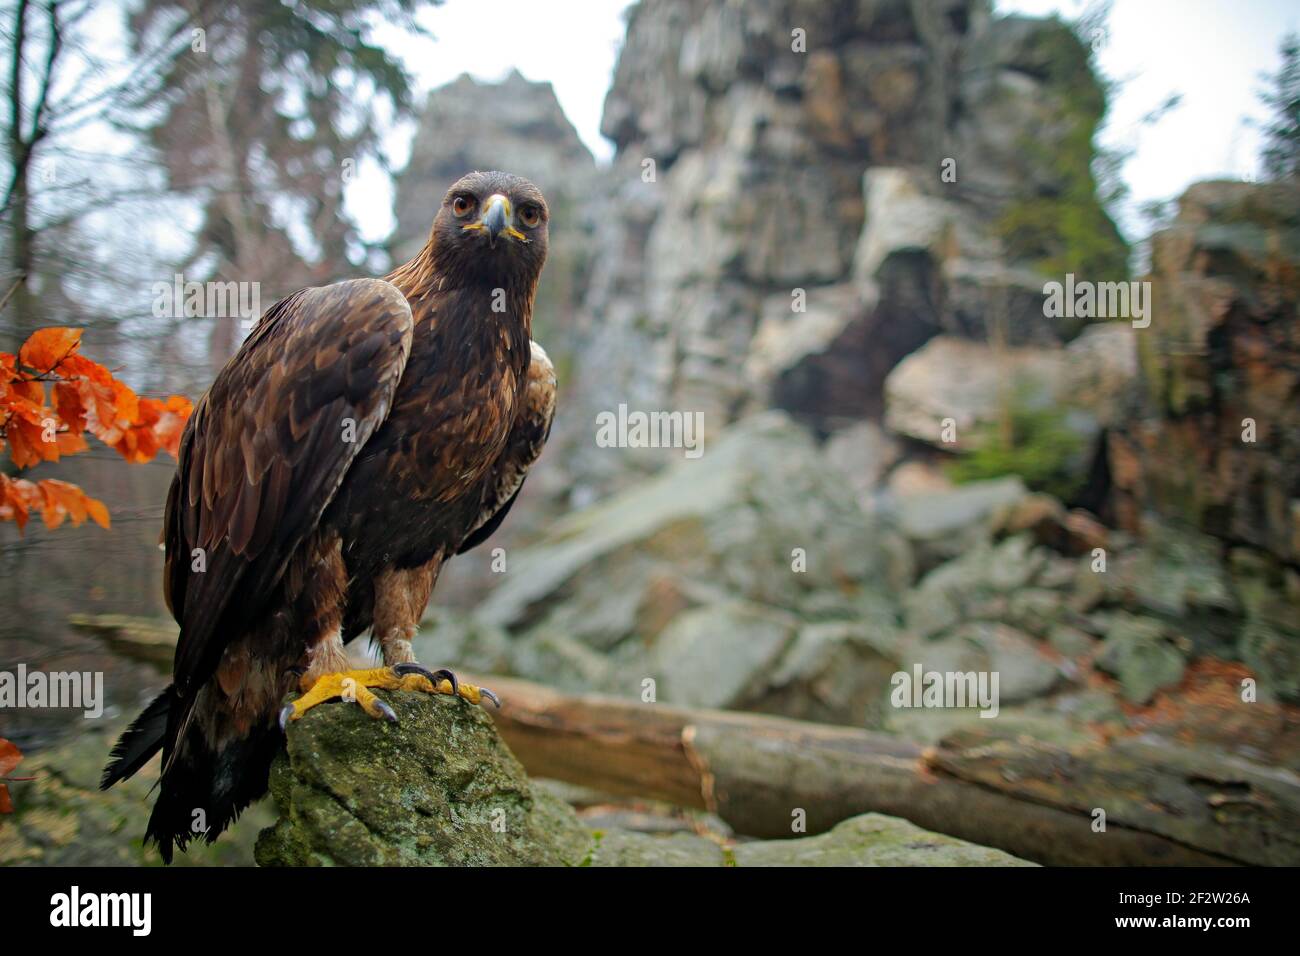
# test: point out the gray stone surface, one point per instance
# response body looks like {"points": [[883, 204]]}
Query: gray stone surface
{"points": [[872, 840], [1143, 655]]}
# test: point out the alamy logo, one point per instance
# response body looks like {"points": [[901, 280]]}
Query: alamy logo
{"points": [[1098, 300], [80, 690], [626, 429], [946, 689], [209, 300], [134, 910]]}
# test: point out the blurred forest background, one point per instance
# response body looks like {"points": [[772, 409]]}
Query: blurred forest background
{"points": [[840, 249]]}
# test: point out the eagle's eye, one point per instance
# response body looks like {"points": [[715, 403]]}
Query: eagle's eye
{"points": [[461, 206], [530, 215]]}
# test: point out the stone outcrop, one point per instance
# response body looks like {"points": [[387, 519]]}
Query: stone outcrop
{"points": [[971, 383], [804, 193], [1215, 441]]}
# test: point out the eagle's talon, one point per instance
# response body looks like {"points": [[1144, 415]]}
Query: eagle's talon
{"points": [[359, 688], [433, 677], [432, 682]]}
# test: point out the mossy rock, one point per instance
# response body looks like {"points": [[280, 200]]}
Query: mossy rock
{"points": [[872, 839], [629, 848], [438, 788]]}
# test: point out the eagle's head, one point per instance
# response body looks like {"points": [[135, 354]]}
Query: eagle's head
{"points": [[492, 226]]}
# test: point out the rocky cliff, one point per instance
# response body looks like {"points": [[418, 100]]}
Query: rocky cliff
{"points": [[804, 193], [1215, 438]]}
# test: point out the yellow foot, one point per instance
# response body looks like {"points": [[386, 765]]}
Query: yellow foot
{"points": [[356, 686]]}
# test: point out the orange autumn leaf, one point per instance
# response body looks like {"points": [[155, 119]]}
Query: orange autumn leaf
{"points": [[98, 512], [78, 366], [171, 424], [78, 504], [48, 347], [27, 444], [18, 498], [70, 443], [86, 397], [13, 502], [68, 406], [32, 392], [10, 757]]}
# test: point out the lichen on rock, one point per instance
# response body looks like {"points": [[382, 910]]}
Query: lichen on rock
{"points": [[438, 788]]}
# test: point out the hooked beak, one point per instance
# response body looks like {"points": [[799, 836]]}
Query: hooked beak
{"points": [[495, 218], [495, 221]]}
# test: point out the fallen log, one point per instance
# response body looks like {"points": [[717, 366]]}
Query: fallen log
{"points": [[149, 640], [1163, 805]]}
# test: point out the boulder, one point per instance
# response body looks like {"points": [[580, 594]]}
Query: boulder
{"points": [[872, 839], [721, 655], [1143, 655], [1179, 576], [1071, 532], [933, 516], [968, 383], [975, 585], [863, 452], [976, 385], [629, 848], [988, 647], [438, 788], [836, 672]]}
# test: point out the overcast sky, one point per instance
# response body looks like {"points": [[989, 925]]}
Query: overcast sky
{"points": [[1210, 51]]}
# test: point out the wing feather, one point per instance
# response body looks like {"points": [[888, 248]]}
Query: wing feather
{"points": [[531, 428], [266, 450]]}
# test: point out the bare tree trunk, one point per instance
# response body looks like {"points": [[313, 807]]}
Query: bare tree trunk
{"points": [[20, 253], [243, 236], [24, 315]]}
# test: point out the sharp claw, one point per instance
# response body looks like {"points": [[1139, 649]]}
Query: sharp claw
{"points": [[389, 714], [490, 696], [285, 713], [411, 667], [434, 677]]}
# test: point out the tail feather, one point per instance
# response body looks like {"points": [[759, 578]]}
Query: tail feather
{"points": [[207, 784], [203, 787], [142, 740]]}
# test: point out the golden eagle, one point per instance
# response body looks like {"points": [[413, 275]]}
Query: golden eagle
{"points": [[363, 434]]}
